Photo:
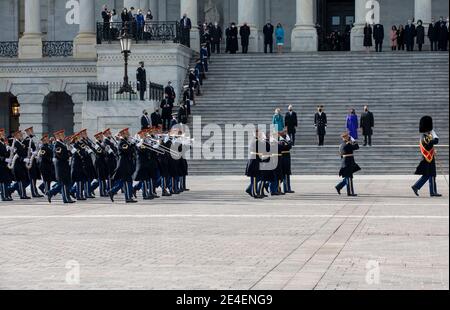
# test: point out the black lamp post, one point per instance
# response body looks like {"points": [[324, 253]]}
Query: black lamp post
{"points": [[125, 45]]}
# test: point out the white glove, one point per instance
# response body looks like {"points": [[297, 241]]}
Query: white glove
{"points": [[73, 151], [89, 151], [435, 136], [353, 140], [8, 160], [26, 160]]}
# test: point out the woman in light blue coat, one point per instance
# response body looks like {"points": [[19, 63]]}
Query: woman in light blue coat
{"points": [[277, 121], [279, 35]]}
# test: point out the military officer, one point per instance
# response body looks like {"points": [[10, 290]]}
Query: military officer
{"points": [[141, 78], [285, 146], [252, 169], [33, 170], [5, 176], [111, 158]]}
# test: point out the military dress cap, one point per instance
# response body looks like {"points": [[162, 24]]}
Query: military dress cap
{"points": [[28, 129], [124, 131], [426, 124], [107, 130], [2, 130], [17, 132], [98, 135], [58, 132], [44, 136]]}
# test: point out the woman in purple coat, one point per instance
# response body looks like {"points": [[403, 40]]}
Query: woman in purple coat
{"points": [[352, 124]]}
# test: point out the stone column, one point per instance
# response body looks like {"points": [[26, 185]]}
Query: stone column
{"points": [[154, 8], [304, 35], [143, 4], [30, 44], [190, 8], [248, 12], [84, 44], [132, 3], [357, 34]]}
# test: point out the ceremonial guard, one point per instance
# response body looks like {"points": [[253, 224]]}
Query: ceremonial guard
{"points": [[122, 176], [18, 166], [62, 156], [320, 123], [33, 169], [77, 167], [45, 163], [348, 164], [5, 175], [427, 167], [88, 163]]}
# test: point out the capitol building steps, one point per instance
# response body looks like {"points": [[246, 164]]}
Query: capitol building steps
{"points": [[399, 88]]}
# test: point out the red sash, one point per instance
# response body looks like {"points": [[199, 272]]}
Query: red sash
{"points": [[428, 155]]}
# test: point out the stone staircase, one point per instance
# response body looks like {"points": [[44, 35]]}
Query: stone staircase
{"points": [[399, 88]]}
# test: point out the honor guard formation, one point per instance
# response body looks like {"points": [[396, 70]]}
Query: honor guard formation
{"points": [[75, 166]]}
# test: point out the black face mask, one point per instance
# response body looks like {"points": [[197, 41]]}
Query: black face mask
{"points": [[320, 110], [145, 113]]}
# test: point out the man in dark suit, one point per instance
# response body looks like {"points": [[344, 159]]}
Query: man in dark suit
{"points": [[186, 26], [433, 35], [320, 122], [156, 119], [106, 16], [378, 36], [216, 38], [291, 123], [410, 34], [166, 114], [244, 32], [268, 37], [141, 77], [145, 121], [367, 123], [169, 91]]}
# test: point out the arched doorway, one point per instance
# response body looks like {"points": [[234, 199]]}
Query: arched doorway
{"points": [[336, 18], [58, 107], [9, 112]]}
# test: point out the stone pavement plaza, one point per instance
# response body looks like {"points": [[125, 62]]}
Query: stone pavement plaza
{"points": [[216, 237]]}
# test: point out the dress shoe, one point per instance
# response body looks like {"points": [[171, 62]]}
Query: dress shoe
{"points": [[275, 194], [352, 195], [415, 190], [149, 198], [186, 189], [111, 196], [131, 201], [37, 196], [25, 197], [338, 190], [7, 199], [290, 192], [436, 195], [166, 194], [49, 198]]}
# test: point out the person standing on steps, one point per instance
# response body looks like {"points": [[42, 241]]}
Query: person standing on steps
{"points": [[166, 113], [367, 124], [320, 123], [169, 91], [146, 122], [401, 38], [244, 32], [394, 38], [268, 30], [420, 35], [233, 46], [410, 34], [291, 122], [186, 26], [367, 37], [433, 35], [141, 78], [348, 164], [216, 38], [277, 121], [352, 124], [427, 167], [378, 36], [279, 35]]}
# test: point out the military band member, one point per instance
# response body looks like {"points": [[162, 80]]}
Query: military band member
{"points": [[142, 173], [5, 176], [19, 169], [77, 169], [111, 158], [427, 167], [101, 166], [348, 164], [88, 163], [62, 169], [45, 163], [33, 170], [122, 176]]}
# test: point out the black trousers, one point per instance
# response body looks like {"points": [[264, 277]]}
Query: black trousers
{"points": [[321, 140], [166, 123], [368, 140], [434, 45], [270, 45], [245, 49], [292, 135], [379, 46], [142, 93], [215, 47], [410, 47], [186, 37], [420, 47]]}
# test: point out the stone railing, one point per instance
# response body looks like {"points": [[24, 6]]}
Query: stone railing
{"points": [[9, 49], [149, 31], [57, 48], [106, 91]]}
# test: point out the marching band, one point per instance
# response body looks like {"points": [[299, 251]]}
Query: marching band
{"points": [[75, 166]]}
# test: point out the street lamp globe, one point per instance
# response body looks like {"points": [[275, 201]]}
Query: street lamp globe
{"points": [[125, 43]]}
